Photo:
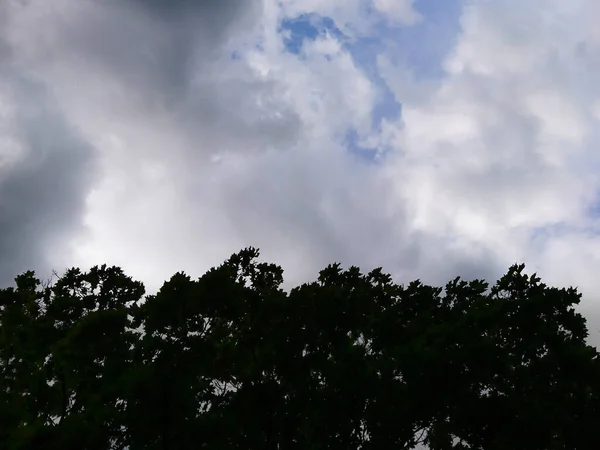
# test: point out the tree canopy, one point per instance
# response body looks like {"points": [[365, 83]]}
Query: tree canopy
{"points": [[350, 361]]}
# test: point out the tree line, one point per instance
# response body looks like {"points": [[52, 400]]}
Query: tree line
{"points": [[350, 361]]}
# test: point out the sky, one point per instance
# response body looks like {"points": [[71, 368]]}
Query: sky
{"points": [[433, 138]]}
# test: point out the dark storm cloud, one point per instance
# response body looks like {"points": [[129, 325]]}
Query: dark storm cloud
{"points": [[174, 59], [41, 194], [150, 44], [215, 15], [4, 47], [153, 48], [159, 43]]}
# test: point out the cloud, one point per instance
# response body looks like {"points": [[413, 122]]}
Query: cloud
{"points": [[45, 169], [183, 131], [400, 11], [126, 77], [503, 147]]}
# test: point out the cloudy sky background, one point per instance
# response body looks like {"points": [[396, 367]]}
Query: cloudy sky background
{"points": [[433, 138]]}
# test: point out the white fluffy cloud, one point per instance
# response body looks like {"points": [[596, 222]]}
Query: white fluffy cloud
{"points": [[401, 11], [180, 134], [501, 153]]}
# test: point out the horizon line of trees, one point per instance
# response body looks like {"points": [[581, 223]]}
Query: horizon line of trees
{"points": [[351, 360]]}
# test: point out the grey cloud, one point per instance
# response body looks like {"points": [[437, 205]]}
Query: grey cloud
{"points": [[42, 194], [166, 55], [153, 44], [172, 59], [434, 261], [314, 202], [215, 15], [329, 209], [5, 50]]}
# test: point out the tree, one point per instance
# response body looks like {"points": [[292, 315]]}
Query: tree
{"points": [[64, 353], [349, 361]]}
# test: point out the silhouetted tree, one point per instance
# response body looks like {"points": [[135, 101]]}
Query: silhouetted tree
{"points": [[350, 361]]}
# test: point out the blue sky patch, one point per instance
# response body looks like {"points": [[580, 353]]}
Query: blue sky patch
{"points": [[364, 52], [367, 154], [422, 47], [306, 27]]}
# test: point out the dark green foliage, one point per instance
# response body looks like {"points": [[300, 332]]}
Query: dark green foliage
{"points": [[350, 361]]}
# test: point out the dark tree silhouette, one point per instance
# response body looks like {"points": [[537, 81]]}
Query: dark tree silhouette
{"points": [[350, 361]]}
